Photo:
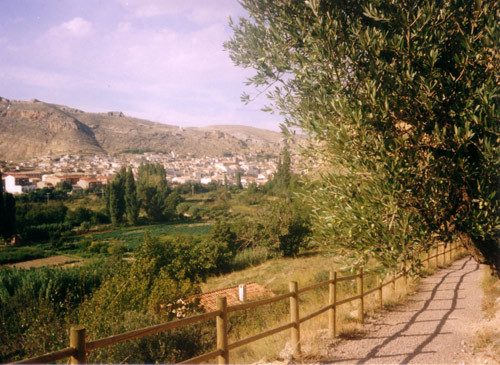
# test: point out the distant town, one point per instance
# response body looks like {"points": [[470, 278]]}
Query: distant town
{"points": [[92, 172]]}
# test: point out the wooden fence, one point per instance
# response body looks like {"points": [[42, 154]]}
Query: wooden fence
{"points": [[78, 345]]}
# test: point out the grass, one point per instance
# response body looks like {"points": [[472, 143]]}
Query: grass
{"points": [[133, 236], [487, 339], [491, 289], [306, 270]]}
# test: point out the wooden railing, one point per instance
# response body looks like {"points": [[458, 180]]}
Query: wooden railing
{"points": [[78, 347]]}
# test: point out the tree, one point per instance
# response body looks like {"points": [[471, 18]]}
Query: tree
{"points": [[116, 197], [170, 206], [152, 190], [132, 203], [237, 178], [9, 215], [283, 175], [401, 100]]}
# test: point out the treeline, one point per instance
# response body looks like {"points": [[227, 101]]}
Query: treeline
{"points": [[42, 215], [42, 222]]}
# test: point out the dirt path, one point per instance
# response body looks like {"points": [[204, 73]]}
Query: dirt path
{"points": [[431, 327]]}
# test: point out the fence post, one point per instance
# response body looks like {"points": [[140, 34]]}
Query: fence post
{"points": [[222, 331], [361, 300], [393, 282], [332, 301], [77, 341], [294, 318], [379, 285]]}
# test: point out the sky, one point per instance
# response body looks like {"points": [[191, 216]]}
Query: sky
{"points": [[161, 60]]}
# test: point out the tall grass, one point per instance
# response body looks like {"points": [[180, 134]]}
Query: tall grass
{"points": [[487, 339], [250, 257]]}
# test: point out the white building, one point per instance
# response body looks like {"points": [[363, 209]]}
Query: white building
{"points": [[18, 184]]}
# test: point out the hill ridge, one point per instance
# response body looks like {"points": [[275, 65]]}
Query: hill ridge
{"points": [[35, 128]]}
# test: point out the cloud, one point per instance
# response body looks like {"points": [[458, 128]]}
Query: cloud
{"points": [[197, 11], [76, 27]]}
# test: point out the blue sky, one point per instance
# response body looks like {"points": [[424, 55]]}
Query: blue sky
{"points": [[160, 60]]}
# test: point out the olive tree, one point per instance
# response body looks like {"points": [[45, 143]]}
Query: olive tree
{"points": [[401, 100]]}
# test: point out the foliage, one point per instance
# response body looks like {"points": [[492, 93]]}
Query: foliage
{"points": [[78, 216], [171, 203], [41, 196], [116, 197], [154, 193], [221, 247], [195, 188], [249, 257], [35, 306], [401, 100], [282, 227], [180, 256], [37, 214], [237, 179], [145, 292], [42, 221], [11, 255], [44, 232], [7, 214], [283, 172], [132, 203]]}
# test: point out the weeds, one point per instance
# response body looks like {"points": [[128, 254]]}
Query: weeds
{"points": [[488, 337]]}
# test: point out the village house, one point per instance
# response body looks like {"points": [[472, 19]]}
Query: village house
{"points": [[18, 184], [89, 183]]}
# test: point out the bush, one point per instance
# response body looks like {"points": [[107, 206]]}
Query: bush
{"points": [[85, 227], [98, 247], [117, 249]]}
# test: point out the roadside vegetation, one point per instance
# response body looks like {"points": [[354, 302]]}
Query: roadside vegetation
{"points": [[487, 337]]}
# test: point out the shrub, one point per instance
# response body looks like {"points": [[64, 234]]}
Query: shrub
{"points": [[98, 247]]}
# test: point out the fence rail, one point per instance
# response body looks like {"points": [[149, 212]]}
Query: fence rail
{"points": [[77, 351]]}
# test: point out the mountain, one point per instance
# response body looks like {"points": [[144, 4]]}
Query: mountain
{"points": [[33, 128]]}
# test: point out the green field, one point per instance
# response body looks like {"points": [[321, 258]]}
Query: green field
{"points": [[133, 236]]}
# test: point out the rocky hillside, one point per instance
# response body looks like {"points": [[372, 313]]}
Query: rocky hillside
{"points": [[34, 128]]}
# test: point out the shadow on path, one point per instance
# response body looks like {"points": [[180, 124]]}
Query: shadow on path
{"points": [[428, 337]]}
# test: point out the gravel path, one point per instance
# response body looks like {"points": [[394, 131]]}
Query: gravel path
{"points": [[431, 327]]}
